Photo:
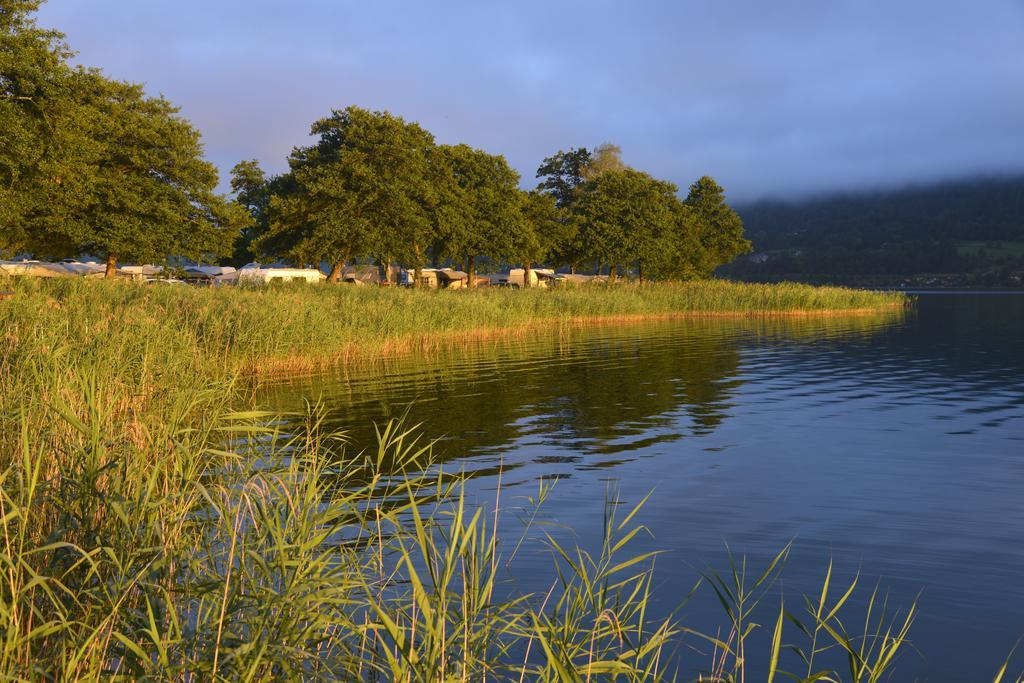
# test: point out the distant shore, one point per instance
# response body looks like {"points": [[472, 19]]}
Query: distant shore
{"points": [[964, 281]]}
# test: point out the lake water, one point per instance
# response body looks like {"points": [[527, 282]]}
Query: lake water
{"points": [[892, 444]]}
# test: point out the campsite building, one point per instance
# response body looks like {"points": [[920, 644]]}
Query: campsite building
{"points": [[452, 279], [539, 277], [140, 273]]}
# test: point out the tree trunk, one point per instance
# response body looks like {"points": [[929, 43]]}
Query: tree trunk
{"points": [[527, 274], [417, 270], [640, 271], [111, 271], [572, 268], [336, 271], [471, 272], [611, 273]]}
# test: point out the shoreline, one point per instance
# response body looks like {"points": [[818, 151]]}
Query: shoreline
{"points": [[283, 368], [159, 336]]}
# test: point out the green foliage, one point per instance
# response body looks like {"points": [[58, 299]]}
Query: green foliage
{"points": [[624, 215], [482, 209], [546, 230], [33, 93], [719, 228], [562, 173], [94, 165], [890, 235], [144, 191], [677, 253], [365, 188]]}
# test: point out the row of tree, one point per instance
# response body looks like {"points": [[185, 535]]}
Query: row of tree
{"points": [[92, 165], [374, 186]]}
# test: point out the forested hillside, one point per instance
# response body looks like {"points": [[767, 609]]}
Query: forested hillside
{"points": [[970, 232]]}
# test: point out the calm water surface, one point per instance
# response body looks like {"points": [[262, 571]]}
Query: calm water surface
{"points": [[894, 445]]}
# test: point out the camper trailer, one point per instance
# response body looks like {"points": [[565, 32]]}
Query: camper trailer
{"points": [[255, 274], [539, 277], [436, 278]]}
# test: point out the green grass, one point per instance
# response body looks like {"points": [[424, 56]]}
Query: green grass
{"points": [[154, 527]]}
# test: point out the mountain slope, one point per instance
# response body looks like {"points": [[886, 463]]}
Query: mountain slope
{"points": [[970, 228]]}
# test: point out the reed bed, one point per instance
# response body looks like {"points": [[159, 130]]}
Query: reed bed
{"points": [[271, 329], [155, 527]]}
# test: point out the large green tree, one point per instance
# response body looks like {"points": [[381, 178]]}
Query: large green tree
{"points": [[96, 166], [483, 215], [364, 188], [623, 215], [142, 189], [719, 228]]}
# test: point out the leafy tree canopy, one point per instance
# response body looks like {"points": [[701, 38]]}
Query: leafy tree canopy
{"points": [[545, 230], [97, 166], [139, 188], [719, 228], [483, 216], [562, 173], [364, 188], [33, 99], [623, 214]]}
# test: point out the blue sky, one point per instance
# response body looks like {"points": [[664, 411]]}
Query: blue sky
{"points": [[781, 98]]}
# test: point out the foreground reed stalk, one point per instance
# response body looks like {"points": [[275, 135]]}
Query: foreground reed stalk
{"points": [[282, 557], [153, 527]]}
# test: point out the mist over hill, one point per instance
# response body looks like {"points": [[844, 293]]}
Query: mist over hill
{"points": [[962, 232]]}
